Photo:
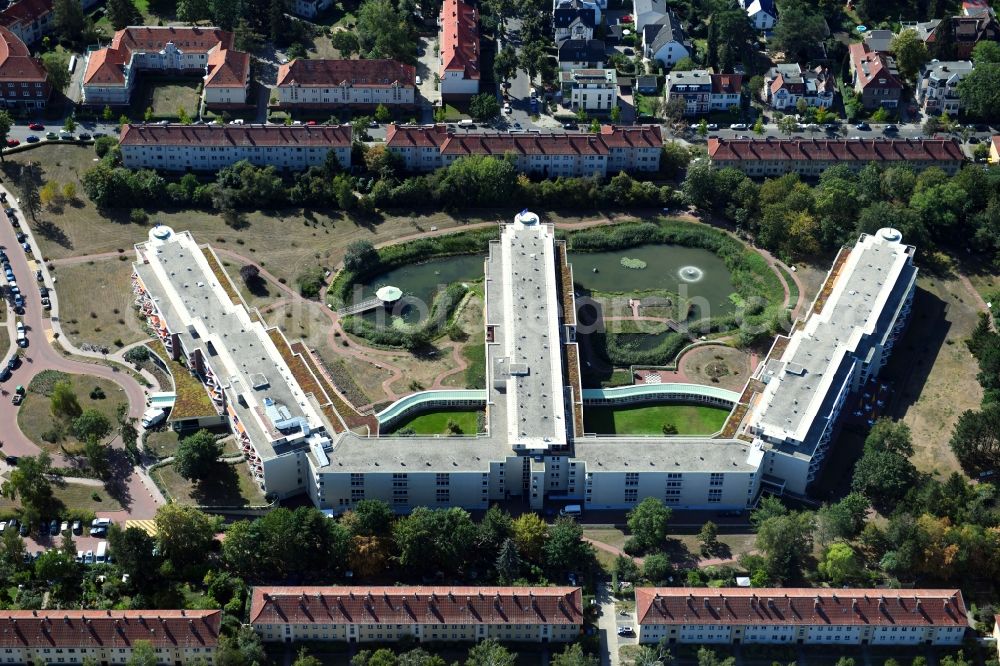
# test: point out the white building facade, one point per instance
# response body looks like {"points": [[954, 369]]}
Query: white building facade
{"points": [[589, 89]]}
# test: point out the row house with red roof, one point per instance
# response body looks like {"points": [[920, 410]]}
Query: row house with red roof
{"points": [[548, 154], [110, 73], [459, 46], [421, 614], [797, 616], [768, 157], [107, 637], [331, 83], [703, 91], [212, 147], [23, 80], [30, 20]]}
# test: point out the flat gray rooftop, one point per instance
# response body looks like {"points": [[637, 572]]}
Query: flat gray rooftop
{"points": [[673, 454], [247, 364], [871, 281]]}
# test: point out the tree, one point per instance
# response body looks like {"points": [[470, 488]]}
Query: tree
{"points": [[883, 477], [976, 440], [708, 536], [840, 564], [192, 11], [30, 198], [758, 126], [6, 122], [370, 517], [616, 113], [225, 13], [708, 657], [505, 64], [573, 655], [143, 654], [700, 185], [888, 435], [626, 569], [986, 52], [382, 113], [56, 66], [306, 659], [979, 90], [843, 520], [529, 534], [800, 28], [91, 424], [54, 565], [565, 550], [122, 13], [911, 53], [648, 523], [197, 455], [29, 481], [656, 568], [484, 106], [346, 42], [311, 281], [250, 274], [69, 20], [184, 534], [63, 400], [490, 653], [786, 541], [384, 31], [360, 255], [440, 539], [508, 562], [97, 456], [787, 125]]}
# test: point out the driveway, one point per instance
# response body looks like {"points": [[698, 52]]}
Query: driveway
{"points": [[427, 66], [141, 496], [607, 626]]}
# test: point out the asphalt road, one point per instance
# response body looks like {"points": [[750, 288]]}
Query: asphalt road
{"points": [[20, 131], [40, 355]]}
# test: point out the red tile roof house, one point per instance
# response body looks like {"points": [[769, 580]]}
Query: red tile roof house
{"points": [[460, 57], [30, 20], [550, 155], [211, 147], [810, 157], [875, 78], [355, 83], [424, 614], [821, 616], [23, 80], [110, 73], [107, 637]]}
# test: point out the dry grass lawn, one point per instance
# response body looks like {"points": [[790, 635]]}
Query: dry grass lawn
{"points": [[729, 366], [231, 486], [4, 340], [95, 303], [932, 371], [264, 292], [75, 496], [35, 418]]}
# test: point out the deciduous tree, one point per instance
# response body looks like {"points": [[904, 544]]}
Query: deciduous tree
{"points": [[197, 455], [647, 523], [530, 533], [911, 53], [184, 534]]}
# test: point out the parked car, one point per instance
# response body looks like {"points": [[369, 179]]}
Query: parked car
{"points": [[973, 139], [84, 137], [77, 527], [89, 557], [54, 528], [738, 127], [25, 529], [51, 136], [98, 135], [570, 126], [418, 80], [44, 291], [863, 126], [64, 526], [38, 275], [4, 373], [13, 142], [888, 129], [712, 127], [36, 127], [625, 631], [31, 138]]}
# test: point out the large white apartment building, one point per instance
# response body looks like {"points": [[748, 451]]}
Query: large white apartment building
{"points": [[110, 73], [419, 614], [325, 83], [613, 149], [797, 616], [201, 321], [845, 341], [107, 636], [212, 147], [535, 447]]}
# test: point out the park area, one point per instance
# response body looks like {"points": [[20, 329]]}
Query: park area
{"points": [[654, 420], [230, 485], [58, 432], [96, 303]]}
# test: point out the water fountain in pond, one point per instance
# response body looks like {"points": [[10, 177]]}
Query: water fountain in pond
{"points": [[691, 274]]}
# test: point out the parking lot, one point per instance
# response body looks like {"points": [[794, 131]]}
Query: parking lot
{"points": [[40, 540]]}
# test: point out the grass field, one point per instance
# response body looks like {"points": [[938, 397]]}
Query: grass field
{"points": [[75, 496], [162, 443], [166, 97], [689, 419], [4, 340], [35, 418], [95, 303], [436, 422], [231, 486]]}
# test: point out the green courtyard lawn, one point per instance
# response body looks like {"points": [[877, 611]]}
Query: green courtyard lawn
{"points": [[166, 96], [436, 422], [649, 420], [51, 433]]}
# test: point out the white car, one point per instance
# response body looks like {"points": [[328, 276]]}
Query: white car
{"points": [[89, 557], [418, 80], [738, 127], [625, 631]]}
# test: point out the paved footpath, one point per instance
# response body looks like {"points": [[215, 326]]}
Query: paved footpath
{"points": [[141, 497]]}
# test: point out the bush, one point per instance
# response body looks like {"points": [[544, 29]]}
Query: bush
{"points": [[104, 145], [310, 281], [137, 355]]}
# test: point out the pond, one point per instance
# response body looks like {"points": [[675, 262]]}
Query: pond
{"points": [[687, 271], [420, 282]]}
